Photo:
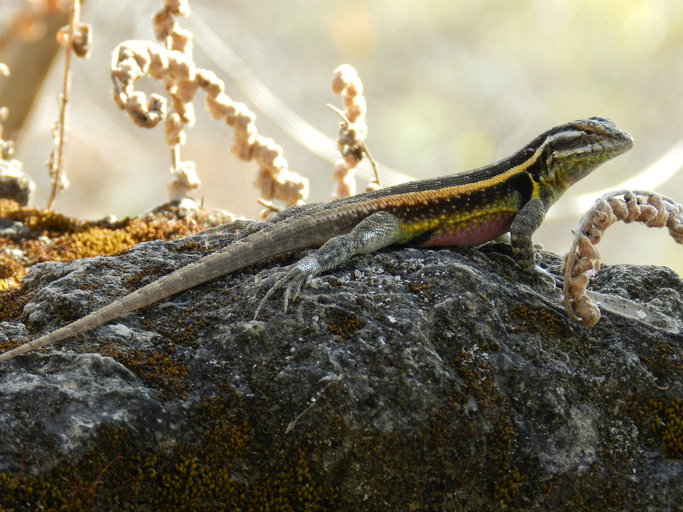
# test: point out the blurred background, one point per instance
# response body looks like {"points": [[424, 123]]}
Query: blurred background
{"points": [[450, 85]]}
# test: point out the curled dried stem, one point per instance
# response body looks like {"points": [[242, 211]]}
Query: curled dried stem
{"points": [[583, 260]]}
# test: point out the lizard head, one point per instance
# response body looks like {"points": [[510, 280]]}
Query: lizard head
{"points": [[573, 150]]}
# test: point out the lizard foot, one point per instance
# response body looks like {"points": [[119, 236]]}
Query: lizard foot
{"points": [[544, 276], [533, 266], [290, 280]]}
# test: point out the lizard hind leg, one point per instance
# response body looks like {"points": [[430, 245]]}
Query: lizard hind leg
{"points": [[290, 279], [371, 234]]}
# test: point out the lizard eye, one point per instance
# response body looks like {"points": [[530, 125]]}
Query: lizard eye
{"points": [[588, 131]]}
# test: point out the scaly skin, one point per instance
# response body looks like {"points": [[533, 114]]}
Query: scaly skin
{"points": [[458, 210]]}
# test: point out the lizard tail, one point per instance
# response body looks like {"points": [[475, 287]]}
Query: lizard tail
{"points": [[257, 247]]}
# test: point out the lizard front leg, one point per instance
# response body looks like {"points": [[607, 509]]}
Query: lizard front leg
{"points": [[523, 226], [371, 234]]}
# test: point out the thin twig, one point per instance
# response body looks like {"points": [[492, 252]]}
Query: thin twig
{"points": [[346, 123], [268, 205], [57, 160]]}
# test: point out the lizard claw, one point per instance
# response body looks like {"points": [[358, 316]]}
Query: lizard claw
{"points": [[544, 276], [288, 279]]}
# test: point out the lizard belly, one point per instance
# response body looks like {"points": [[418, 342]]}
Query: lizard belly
{"points": [[470, 233]]}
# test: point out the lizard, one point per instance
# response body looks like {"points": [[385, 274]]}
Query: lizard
{"points": [[462, 209]]}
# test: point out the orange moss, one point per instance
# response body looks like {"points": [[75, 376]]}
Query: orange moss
{"points": [[343, 323], [49, 236], [156, 369], [117, 474], [666, 425], [535, 319]]}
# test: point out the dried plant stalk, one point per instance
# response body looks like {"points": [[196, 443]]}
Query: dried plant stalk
{"points": [[352, 132], [75, 37], [583, 260], [174, 67]]}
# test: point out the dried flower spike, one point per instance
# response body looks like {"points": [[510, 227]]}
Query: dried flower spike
{"points": [[82, 38], [174, 67], [352, 132], [583, 260]]}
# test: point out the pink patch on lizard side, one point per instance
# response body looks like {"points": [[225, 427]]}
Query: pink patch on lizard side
{"points": [[471, 234]]}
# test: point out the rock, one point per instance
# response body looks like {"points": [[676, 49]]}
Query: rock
{"points": [[15, 184], [410, 379]]}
